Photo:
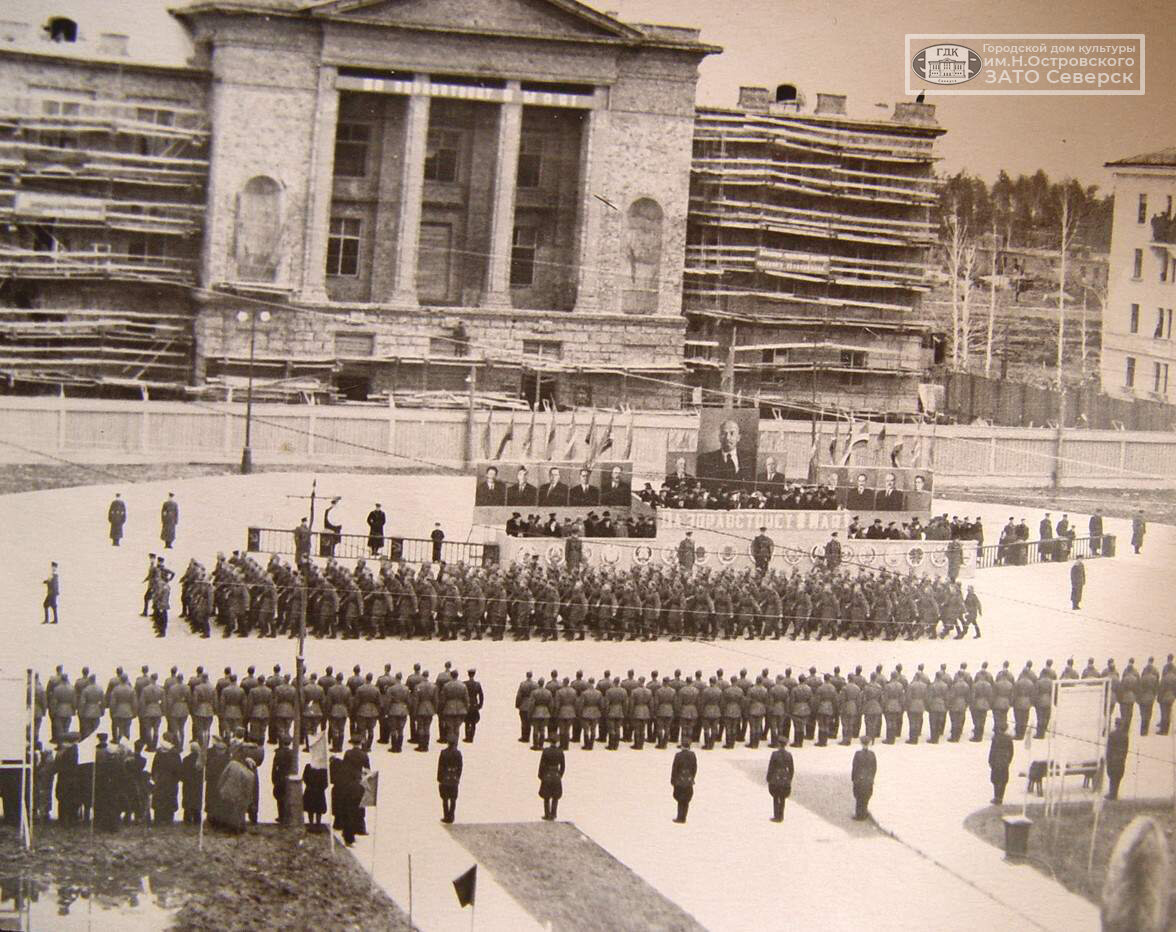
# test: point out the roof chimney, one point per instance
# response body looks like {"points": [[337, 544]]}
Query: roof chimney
{"points": [[754, 98], [833, 104], [910, 111]]}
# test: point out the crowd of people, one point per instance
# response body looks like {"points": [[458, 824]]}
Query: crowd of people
{"points": [[684, 491], [722, 710], [1054, 542], [571, 599], [938, 527], [590, 525]]}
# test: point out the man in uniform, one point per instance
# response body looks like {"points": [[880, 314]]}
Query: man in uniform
{"points": [[1000, 756], [1077, 583], [151, 699], [551, 770], [1118, 742], [761, 551], [203, 709], [52, 592], [116, 514], [474, 702], [1148, 690], [862, 773], [375, 522], [423, 705], [454, 702], [169, 517], [338, 708], [522, 705], [367, 701], [449, 766], [780, 770], [177, 705], [682, 776], [397, 699]]}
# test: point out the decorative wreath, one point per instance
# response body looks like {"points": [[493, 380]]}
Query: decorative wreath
{"points": [[727, 555], [817, 553], [792, 555], [611, 553], [848, 553], [701, 554], [555, 554], [526, 553], [938, 558], [643, 554], [893, 558], [867, 554], [915, 556], [669, 557]]}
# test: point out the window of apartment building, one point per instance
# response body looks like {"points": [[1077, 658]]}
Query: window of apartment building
{"points": [[1137, 269], [853, 359], [1129, 377], [355, 344], [1163, 324], [351, 149], [145, 246], [522, 256], [544, 349], [343, 246], [530, 160], [1164, 267], [1142, 208], [1161, 378], [442, 152], [1133, 326]]}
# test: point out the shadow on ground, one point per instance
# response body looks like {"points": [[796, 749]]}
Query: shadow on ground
{"points": [[829, 796]]}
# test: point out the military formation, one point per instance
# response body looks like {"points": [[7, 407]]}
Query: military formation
{"points": [[720, 710], [241, 597], [262, 707]]}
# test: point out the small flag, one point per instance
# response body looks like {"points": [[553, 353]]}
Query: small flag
{"points": [[88, 748], [572, 436], [371, 786], [860, 434], [607, 442], [531, 431], [917, 451], [486, 441], [629, 443], [551, 435], [591, 431], [506, 438], [896, 451], [318, 752], [466, 887]]}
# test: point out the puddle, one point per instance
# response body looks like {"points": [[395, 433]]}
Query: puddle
{"points": [[27, 904]]}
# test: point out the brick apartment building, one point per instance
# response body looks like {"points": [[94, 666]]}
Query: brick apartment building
{"points": [[364, 195], [1138, 351]]}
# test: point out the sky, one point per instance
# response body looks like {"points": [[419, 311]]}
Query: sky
{"points": [[856, 47]]}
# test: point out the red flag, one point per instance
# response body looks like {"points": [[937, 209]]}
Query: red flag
{"points": [[551, 434], [486, 441], [531, 431], [860, 434], [466, 887], [506, 438], [591, 431], [572, 436], [629, 443]]}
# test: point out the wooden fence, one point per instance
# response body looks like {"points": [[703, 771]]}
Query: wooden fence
{"points": [[40, 430]]}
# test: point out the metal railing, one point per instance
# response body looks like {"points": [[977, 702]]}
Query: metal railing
{"points": [[354, 546], [1057, 549]]}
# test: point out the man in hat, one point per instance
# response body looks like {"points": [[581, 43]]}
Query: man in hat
{"points": [[780, 770], [116, 514], [862, 773], [1077, 582], [1118, 742], [281, 770], [449, 764], [551, 770], [52, 592], [1000, 756], [169, 517], [682, 775], [375, 522]]}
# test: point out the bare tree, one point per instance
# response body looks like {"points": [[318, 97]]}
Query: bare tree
{"points": [[991, 301], [1068, 222], [967, 268], [956, 243]]}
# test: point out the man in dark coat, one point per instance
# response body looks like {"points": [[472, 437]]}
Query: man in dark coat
{"points": [[375, 522], [1096, 532], [551, 771], [169, 517], [192, 780], [761, 551], [682, 774], [449, 764], [476, 699], [1138, 530], [280, 772], [116, 514], [1077, 582], [167, 771], [1118, 742], [865, 768], [437, 536], [780, 770], [1000, 756]]}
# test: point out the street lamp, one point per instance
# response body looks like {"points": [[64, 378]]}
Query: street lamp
{"points": [[242, 317]]}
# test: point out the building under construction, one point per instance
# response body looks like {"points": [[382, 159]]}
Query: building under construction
{"points": [[807, 245]]}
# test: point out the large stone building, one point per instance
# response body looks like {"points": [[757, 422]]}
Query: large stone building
{"points": [[807, 251], [1138, 351], [368, 195]]}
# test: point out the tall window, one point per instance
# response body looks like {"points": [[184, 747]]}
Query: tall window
{"points": [[343, 246], [1161, 378], [1143, 208], [145, 246], [442, 150], [1129, 379], [259, 230], [522, 256], [351, 149], [544, 349], [1138, 267], [1134, 324], [530, 160], [1159, 324]]}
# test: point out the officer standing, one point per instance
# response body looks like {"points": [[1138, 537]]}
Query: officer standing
{"points": [[682, 774], [780, 770], [52, 592], [169, 518], [551, 770], [476, 699], [375, 522], [1000, 756], [1118, 742], [449, 764], [116, 514], [864, 769], [1077, 582]]}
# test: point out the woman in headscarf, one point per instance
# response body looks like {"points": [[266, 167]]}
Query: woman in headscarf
{"points": [[235, 790]]}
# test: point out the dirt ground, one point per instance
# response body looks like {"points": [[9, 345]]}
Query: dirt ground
{"points": [[1060, 848], [561, 876], [1158, 505], [269, 878]]}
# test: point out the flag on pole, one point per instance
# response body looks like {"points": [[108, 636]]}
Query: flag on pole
{"points": [[859, 435], [591, 431], [572, 436], [506, 438], [486, 441], [629, 442], [88, 749], [894, 454], [551, 434], [466, 887], [607, 442], [371, 786], [318, 751], [531, 431], [833, 442], [917, 446]]}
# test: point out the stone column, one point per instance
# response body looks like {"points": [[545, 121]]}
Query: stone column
{"points": [[319, 188], [412, 187], [506, 166], [586, 254]]}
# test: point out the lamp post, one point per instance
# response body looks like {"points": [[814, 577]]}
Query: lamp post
{"points": [[246, 452]]}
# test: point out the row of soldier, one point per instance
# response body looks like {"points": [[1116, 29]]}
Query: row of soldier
{"points": [[262, 707], [641, 603], [814, 705]]}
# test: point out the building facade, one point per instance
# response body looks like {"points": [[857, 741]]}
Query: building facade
{"points": [[387, 196], [807, 251], [1138, 352]]}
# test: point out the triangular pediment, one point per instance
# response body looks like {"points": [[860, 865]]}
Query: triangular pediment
{"points": [[554, 19]]}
